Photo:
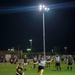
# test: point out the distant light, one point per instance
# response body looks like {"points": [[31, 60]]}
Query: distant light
{"points": [[48, 8], [52, 50], [30, 40], [9, 49], [40, 6], [43, 8], [29, 49]]}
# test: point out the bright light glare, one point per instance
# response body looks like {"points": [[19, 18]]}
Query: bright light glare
{"points": [[30, 40], [43, 8], [48, 8], [40, 6]]}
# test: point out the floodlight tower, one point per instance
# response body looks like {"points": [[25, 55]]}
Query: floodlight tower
{"points": [[44, 9], [30, 40]]}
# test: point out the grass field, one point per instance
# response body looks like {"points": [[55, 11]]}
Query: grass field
{"points": [[9, 69]]}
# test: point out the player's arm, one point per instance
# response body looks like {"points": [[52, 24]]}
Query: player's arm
{"points": [[21, 67], [54, 60], [17, 67], [73, 60], [67, 61], [49, 61], [17, 73], [35, 62]]}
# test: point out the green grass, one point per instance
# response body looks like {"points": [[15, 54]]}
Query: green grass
{"points": [[9, 69]]}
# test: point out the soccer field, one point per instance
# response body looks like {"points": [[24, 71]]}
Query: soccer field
{"points": [[10, 69]]}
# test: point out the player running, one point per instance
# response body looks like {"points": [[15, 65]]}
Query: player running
{"points": [[42, 63]]}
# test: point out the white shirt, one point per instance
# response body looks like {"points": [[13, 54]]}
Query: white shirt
{"points": [[35, 58], [42, 63], [57, 59]]}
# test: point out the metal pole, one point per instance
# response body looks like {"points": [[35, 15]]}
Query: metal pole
{"points": [[31, 45], [44, 33]]}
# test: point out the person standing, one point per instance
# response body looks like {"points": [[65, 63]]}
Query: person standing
{"points": [[25, 62], [35, 61], [57, 62], [48, 59], [70, 61]]}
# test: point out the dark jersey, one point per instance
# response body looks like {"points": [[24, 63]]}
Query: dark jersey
{"points": [[25, 60], [70, 60], [19, 69]]}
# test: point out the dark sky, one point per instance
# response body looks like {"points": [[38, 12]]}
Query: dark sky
{"points": [[16, 28]]}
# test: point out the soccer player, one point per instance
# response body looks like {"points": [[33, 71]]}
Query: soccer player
{"points": [[57, 62], [34, 61], [48, 59], [25, 63], [70, 62], [19, 69], [42, 63]]}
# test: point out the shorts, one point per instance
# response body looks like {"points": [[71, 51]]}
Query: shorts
{"points": [[69, 63], [57, 64], [62, 59], [25, 63], [48, 62], [35, 62], [40, 67], [19, 73]]}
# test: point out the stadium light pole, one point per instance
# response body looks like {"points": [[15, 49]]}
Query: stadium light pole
{"points": [[43, 8], [30, 40]]}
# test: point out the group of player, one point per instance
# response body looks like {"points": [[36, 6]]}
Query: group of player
{"points": [[42, 61]]}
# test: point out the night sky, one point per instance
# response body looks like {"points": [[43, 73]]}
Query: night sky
{"points": [[17, 27]]}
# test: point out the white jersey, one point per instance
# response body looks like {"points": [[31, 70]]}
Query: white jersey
{"points": [[48, 57], [35, 58], [42, 62], [57, 59]]}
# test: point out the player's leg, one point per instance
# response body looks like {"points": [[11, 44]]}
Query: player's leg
{"points": [[23, 73], [39, 69], [25, 66], [49, 64], [46, 64], [68, 66], [59, 67], [34, 64], [71, 67], [41, 72]]}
